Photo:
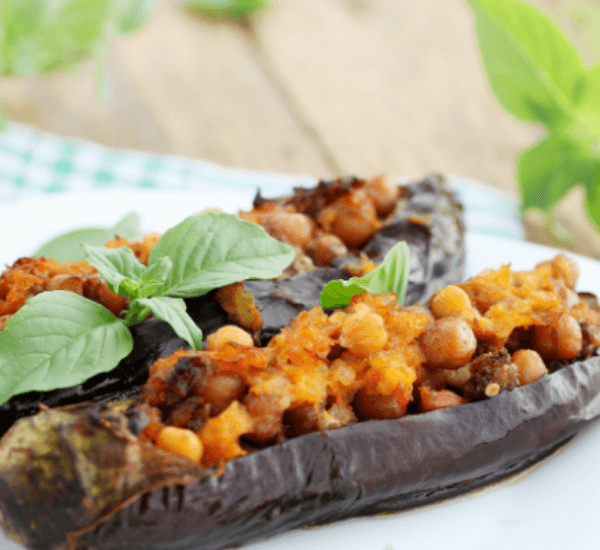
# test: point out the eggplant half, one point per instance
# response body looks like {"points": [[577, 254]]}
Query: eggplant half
{"points": [[428, 217], [76, 478]]}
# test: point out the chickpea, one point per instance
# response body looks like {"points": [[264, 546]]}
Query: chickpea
{"points": [[438, 399], [228, 334], [220, 390], [292, 228], [531, 366], [451, 300], [384, 193], [326, 247], [180, 441], [370, 405], [352, 218], [448, 343], [560, 340], [363, 332]]}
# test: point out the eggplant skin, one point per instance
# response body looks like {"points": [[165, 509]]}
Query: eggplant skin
{"points": [[362, 469]]}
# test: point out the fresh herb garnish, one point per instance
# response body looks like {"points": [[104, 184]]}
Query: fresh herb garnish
{"points": [[68, 245], [537, 75], [390, 276], [59, 339]]}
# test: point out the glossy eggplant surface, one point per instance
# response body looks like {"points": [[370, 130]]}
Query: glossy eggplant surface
{"points": [[77, 479]]}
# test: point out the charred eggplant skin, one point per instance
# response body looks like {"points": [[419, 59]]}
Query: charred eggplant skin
{"points": [[366, 468], [429, 218]]}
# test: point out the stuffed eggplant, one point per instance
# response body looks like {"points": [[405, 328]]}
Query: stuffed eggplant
{"points": [[425, 214], [426, 403]]}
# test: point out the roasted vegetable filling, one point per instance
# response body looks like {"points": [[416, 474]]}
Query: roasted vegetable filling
{"points": [[371, 360]]}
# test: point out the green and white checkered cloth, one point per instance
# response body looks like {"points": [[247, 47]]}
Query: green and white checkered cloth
{"points": [[35, 162]]}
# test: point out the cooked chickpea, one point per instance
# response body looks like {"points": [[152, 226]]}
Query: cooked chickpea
{"points": [[292, 228], [220, 390], [431, 399], [384, 193], [560, 340], [370, 405], [451, 300], [326, 247], [354, 218], [226, 335], [363, 332], [531, 366], [448, 343], [180, 441]]}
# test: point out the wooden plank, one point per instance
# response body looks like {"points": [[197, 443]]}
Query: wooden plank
{"points": [[182, 85], [393, 86]]}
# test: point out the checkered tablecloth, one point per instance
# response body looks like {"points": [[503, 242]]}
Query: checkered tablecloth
{"points": [[34, 162]]}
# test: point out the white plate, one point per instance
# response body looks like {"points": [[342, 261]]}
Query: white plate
{"points": [[552, 506]]}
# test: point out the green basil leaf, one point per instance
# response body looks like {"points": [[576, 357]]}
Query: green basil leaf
{"points": [[212, 250], [68, 245], [548, 170], [173, 311], [56, 340], [390, 276], [131, 15], [592, 196], [241, 10], [531, 66], [119, 267]]}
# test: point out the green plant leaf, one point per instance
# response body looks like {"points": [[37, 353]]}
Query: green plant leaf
{"points": [[533, 69], [548, 170], [119, 267], [56, 340], [390, 276], [592, 196], [68, 245], [212, 250], [132, 15], [240, 10], [173, 311]]}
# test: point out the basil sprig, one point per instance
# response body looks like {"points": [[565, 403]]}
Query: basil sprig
{"points": [[390, 276], [60, 339], [537, 75]]}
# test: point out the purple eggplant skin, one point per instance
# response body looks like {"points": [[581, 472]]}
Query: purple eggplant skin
{"points": [[361, 469]]}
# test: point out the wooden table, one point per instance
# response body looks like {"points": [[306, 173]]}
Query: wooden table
{"points": [[317, 87]]}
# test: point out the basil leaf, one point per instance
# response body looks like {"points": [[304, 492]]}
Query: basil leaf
{"points": [[133, 14], [390, 276], [119, 267], [173, 311], [531, 66], [56, 340], [241, 10], [592, 197], [212, 250], [68, 245], [543, 170]]}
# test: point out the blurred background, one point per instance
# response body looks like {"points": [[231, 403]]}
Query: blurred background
{"points": [[312, 87]]}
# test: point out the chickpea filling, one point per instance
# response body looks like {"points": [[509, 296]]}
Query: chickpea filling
{"points": [[330, 221], [372, 360]]}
